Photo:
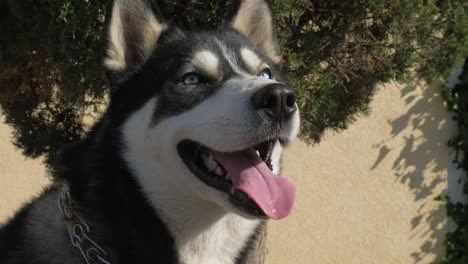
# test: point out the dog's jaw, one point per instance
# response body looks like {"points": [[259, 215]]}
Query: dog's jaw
{"points": [[204, 232]]}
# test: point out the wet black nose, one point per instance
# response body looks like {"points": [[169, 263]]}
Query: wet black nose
{"points": [[278, 102]]}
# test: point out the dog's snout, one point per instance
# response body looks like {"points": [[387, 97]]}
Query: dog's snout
{"points": [[277, 100]]}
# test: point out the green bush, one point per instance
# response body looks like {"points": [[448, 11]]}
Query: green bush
{"points": [[457, 240], [337, 52]]}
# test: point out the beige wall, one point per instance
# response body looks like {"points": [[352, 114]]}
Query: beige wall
{"points": [[364, 195], [20, 178]]}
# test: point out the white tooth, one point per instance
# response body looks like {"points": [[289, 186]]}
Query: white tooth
{"points": [[219, 171], [258, 153], [210, 163]]}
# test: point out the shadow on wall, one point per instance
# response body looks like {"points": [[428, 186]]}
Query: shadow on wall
{"points": [[418, 159]]}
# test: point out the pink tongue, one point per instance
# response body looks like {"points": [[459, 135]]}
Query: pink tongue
{"points": [[272, 193]]}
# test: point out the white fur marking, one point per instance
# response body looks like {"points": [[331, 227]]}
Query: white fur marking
{"points": [[116, 52], [276, 157], [207, 61], [251, 59]]}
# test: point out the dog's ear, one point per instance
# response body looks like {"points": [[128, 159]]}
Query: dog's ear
{"points": [[254, 19], [133, 32]]}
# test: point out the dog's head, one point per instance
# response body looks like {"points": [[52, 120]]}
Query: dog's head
{"points": [[203, 116]]}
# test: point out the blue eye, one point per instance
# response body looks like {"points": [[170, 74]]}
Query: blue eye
{"points": [[266, 73], [191, 79]]}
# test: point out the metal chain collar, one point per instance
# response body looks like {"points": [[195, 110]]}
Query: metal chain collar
{"points": [[80, 232]]}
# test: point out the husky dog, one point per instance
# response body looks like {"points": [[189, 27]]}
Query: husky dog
{"points": [[183, 165]]}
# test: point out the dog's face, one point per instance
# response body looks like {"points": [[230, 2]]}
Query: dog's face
{"points": [[204, 116]]}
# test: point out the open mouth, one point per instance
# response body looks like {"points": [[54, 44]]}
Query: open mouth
{"points": [[246, 176]]}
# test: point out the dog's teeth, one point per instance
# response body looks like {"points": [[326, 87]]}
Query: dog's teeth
{"points": [[210, 163], [258, 152], [219, 171]]}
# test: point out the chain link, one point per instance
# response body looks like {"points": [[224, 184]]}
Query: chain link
{"points": [[79, 232]]}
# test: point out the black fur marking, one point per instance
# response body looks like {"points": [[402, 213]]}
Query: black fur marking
{"points": [[29, 239], [11, 238], [108, 197], [249, 246], [128, 223]]}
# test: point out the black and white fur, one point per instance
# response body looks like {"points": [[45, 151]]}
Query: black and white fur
{"points": [[127, 177]]}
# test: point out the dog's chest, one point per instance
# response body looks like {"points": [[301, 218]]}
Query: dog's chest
{"points": [[221, 243]]}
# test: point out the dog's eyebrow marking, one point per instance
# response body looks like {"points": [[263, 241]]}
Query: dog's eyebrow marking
{"points": [[251, 60], [207, 62]]}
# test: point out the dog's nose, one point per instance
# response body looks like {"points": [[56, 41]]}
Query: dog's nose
{"points": [[276, 100]]}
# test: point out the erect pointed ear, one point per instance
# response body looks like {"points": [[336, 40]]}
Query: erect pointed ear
{"points": [[133, 32], [254, 20]]}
